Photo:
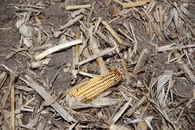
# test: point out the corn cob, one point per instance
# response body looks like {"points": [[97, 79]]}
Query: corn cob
{"points": [[96, 86]]}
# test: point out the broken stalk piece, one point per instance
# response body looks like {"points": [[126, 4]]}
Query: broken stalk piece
{"points": [[57, 48], [94, 48]]}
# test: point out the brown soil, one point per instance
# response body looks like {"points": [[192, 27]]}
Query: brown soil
{"points": [[60, 80]]}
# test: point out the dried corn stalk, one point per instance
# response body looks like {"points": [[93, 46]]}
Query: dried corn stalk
{"points": [[95, 86]]}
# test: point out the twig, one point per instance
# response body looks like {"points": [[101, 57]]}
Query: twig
{"points": [[100, 54], [90, 14], [71, 22], [57, 48]]}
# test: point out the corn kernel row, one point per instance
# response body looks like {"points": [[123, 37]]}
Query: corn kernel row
{"points": [[96, 86]]}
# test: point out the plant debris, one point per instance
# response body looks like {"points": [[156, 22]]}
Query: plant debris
{"points": [[113, 64]]}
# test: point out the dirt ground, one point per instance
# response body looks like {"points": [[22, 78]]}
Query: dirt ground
{"points": [[53, 74]]}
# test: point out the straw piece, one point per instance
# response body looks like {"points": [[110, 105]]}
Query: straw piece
{"points": [[173, 47], [40, 63], [75, 7], [113, 33], [77, 51], [57, 48], [135, 4], [12, 105], [5, 96]]}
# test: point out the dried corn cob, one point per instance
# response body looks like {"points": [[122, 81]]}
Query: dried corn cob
{"points": [[96, 86]]}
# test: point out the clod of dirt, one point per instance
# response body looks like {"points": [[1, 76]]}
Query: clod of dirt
{"points": [[183, 88]]}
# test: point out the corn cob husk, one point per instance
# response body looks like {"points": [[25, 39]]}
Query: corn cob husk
{"points": [[95, 86]]}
